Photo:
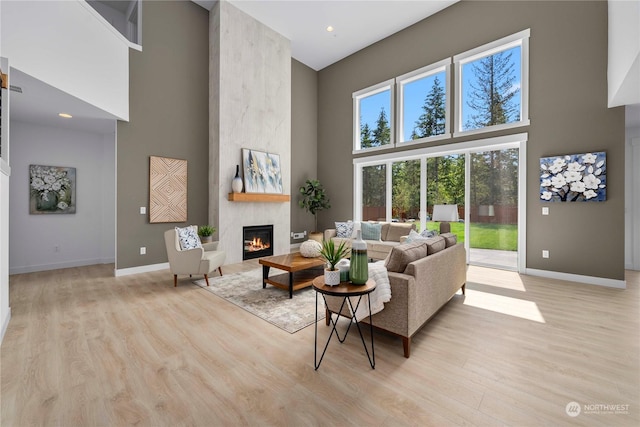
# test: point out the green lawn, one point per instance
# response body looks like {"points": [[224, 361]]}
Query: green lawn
{"points": [[485, 236]]}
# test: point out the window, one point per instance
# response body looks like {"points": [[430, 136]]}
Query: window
{"points": [[374, 189], [492, 85], [423, 103], [373, 116]]}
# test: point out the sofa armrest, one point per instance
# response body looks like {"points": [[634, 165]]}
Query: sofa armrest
{"points": [[329, 233], [211, 246]]}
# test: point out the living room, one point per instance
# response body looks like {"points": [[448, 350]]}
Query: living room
{"points": [[565, 117]]}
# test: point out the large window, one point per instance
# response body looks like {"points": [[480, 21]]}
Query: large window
{"points": [[423, 104], [373, 116], [374, 185], [492, 85]]}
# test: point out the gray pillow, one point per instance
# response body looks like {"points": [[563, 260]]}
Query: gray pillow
{"points": [[371, 231], [402, 255]]}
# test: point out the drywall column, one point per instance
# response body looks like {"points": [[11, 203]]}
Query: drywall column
{"points": [[250, 107]]}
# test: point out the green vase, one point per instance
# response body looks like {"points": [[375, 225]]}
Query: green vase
{"points": [[359, 265], [47, 205]]}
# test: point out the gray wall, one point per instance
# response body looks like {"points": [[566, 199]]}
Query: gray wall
{"points": [[568, 112], [169, 108], [304, 140]]}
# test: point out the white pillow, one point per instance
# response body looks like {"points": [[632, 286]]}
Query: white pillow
{"points": [[188, 237], [414, 236]]}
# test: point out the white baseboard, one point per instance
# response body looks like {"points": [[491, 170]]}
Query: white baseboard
{"points": [[59, 265], [141, 269], [590, 280], [5, 324], [294, 247]]}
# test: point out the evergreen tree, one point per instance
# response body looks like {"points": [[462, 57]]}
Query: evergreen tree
{"points": [[432, 120], [492, 92], [366, 140], [382, 132]]}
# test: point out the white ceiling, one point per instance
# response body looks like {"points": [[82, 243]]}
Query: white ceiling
{"points": [[357, 24]]}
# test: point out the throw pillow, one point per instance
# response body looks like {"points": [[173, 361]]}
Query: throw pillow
{"points": [[450, 239], [428, 233], [344, 229], [414, 236], [371, 231], [397, 230], [401, 255], [188, 238], [435, 244]]}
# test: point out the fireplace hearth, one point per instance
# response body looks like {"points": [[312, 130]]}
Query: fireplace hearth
{"points": [[257, 241]]}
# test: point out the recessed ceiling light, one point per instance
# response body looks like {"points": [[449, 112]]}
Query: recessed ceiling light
{"points": [[329, 28], [65, 115]]}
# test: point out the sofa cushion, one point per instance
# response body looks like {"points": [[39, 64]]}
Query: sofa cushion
{"points": [[384, 230], [450, 239], [435, 244], [344, 229], [401, 255], [371, 231], [397, 230]]}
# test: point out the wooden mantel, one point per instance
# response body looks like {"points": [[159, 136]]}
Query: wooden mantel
{"points": [[258, 197]]}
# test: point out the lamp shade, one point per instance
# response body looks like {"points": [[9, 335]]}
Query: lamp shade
{"points": [[445, 213]]}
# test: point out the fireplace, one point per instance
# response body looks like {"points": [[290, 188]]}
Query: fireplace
{"points": [[257, 241]]}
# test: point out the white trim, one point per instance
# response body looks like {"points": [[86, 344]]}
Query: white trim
{"points": [[5, 168], [518, 39], [364, 93], [5, 324], [141, 269], [436, 68], [633, 207], [59, 265], [294, 247], [499, 142], [522, 206], [589, 280]]}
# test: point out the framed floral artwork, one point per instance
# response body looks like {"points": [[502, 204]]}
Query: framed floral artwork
{"points": [[261, 172], [574, 178], [52, 190]]}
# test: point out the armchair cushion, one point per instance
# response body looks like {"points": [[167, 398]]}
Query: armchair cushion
{"points": [[188, 237]]}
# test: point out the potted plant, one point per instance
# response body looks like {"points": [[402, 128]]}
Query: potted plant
{"points": [[314, 199], [205, 232], [332, 255]]}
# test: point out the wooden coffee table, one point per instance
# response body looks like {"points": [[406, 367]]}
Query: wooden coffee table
{"points": [[292, 263]]}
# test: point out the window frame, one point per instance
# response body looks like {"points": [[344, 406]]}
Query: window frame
{"points": [[518, 39], [410, 77], [364, 93]]}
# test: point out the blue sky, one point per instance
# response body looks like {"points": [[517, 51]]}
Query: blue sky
{"points": [[415, 93]]}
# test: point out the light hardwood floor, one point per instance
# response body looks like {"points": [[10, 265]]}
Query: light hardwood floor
{"points": [[85, 348]]}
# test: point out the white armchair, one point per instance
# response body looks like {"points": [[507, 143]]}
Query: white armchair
{"points": [[202, 260]]}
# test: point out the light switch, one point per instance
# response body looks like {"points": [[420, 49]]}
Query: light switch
{"points": [[143, 210], [545, 210]]}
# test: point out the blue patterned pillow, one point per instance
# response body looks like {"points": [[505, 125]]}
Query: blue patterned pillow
{"points": [[371, 231], [344, 229], [188, 237]]}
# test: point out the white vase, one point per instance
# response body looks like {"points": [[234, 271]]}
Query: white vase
{"points": [[331, 277], [236, 182]]}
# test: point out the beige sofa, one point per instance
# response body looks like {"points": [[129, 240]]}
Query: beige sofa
{"points": [[391, 234], [424, 276]]}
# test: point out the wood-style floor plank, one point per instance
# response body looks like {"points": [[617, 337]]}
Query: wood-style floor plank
{"points": [[84, 348]]}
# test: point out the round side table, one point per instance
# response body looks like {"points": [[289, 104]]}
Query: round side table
{"points": [[345, 290]]}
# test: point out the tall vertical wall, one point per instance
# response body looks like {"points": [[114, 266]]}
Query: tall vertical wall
{"points": [[568, 112], [169, 116], [250, 105]]}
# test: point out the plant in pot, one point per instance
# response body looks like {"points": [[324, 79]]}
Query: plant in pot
{"points": [[205, 232], [314, 199], [332, 255]]}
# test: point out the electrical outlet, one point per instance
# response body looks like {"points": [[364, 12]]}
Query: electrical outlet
{"points": [[545, 210], [143, 210], [545, 253], [143, 250]]}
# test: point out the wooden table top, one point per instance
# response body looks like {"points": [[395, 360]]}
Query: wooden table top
{"points": [[292, 262], [344, 289]]}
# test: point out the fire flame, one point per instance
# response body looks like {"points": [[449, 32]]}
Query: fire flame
{"points": [[257, 245]]}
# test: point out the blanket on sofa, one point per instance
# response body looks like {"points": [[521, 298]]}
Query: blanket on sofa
{"points": [[380, 295]]}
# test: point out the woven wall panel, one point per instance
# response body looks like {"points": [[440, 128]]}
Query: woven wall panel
{"points": [[167, 190]]}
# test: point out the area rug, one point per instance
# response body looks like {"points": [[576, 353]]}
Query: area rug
{"points": [[271, 304]]}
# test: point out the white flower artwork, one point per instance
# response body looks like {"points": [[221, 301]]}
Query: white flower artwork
{"points": [[52, 190], [574, 178]]}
